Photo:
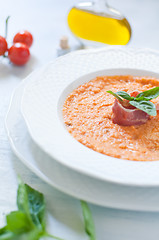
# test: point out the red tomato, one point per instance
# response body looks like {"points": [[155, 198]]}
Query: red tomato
{"points": [[24, 37], [19, 54], [3, 46]]}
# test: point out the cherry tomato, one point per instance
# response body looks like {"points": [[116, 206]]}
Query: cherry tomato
{"points": [[19, 54], [24, 37], [3, 45]]}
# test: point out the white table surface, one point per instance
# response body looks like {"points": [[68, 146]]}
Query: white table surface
{"points": [[47, 21]]}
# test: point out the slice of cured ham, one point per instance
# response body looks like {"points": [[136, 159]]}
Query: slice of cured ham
{"points": [[157, 106], [128, 117]]}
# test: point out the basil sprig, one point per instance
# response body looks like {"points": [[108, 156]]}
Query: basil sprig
{"points": [[29, 223], [141, 101]]}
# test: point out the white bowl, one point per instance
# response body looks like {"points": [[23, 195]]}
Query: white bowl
{"points": [[66, 180], [42, 110]]}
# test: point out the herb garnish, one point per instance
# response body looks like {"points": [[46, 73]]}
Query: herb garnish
{"points": [[88, 221], [29, 223], [141, 101]]}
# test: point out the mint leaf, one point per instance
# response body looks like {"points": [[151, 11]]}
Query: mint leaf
{"points": [[125, 95], [145, 106], [149, 94], [88, 221], [115, 95]]}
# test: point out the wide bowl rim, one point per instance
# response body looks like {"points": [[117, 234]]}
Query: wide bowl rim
{"points": [[79, 169]]}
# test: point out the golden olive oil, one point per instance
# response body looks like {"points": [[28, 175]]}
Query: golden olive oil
{"points": [[92, 26]]}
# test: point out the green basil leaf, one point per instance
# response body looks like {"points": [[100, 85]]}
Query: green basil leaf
{"points": [[36, 207], [125, 95], [5, 234], [29, 222], [18, 228], [145, 106], [141, 99], [32, 235], [22, 199], [115, 95], [88, 221], [149, 94], [18, 222], [32, 203]]}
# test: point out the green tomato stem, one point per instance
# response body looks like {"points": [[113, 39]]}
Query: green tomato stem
{"points": [[6, 28]]}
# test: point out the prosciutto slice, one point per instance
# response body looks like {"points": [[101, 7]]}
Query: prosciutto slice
{"points": [[127, 117], [157, 106]]}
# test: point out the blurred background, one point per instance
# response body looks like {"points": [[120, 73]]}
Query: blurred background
{"points": [[47, 21]]}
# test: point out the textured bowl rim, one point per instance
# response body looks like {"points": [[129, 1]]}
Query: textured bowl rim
{"points": [[79, 169]]}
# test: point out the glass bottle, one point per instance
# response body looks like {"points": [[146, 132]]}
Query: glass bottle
{"points": [[98, 22]]}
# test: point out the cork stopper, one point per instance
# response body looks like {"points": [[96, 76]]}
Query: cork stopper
{"points": [[64, 42]]}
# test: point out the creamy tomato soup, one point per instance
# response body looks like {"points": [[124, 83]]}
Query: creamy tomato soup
{"points": [[87, 114]]}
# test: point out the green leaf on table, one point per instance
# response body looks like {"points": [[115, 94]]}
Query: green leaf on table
{"points": [[18, 222], [149, 94], [22, 198], [125, 95], [28, 223], [32, 203], [36, 207], [88, 221], [32, 235], [5, 234], [145, 106]]}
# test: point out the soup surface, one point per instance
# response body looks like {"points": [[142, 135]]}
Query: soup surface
{"points": [[87, 114]]}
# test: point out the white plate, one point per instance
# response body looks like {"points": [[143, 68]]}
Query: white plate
{"points": [[68, 181], [42, 110]]}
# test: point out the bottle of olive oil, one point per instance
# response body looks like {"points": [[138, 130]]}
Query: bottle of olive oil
{"points": [[98, 22]]}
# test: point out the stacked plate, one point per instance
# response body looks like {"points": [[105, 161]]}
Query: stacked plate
{"points": [[39, 138]]}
